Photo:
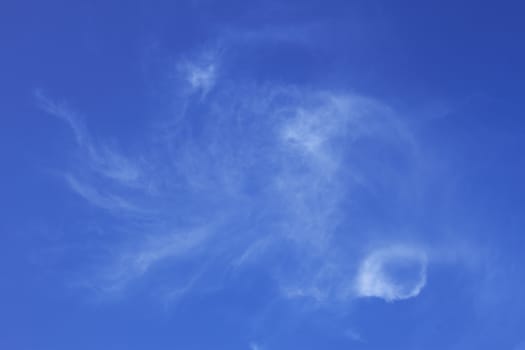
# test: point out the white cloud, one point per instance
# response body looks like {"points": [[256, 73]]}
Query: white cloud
{"points": [[106, 201], [200, 72], [393, 273], [101, 159], [286, 157], [324, 136], [201, 77], [113, 165], [253, 252], [133, 263], [63, 112]]}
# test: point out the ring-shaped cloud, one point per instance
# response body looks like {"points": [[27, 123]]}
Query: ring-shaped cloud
{"points": [[392, 273]]}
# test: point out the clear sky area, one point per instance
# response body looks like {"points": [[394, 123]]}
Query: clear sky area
{"points": [[262, 175]]}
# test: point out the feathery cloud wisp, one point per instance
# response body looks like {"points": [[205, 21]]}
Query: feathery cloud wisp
{"points": [[102, 160], [289, 157], [110, 201]]}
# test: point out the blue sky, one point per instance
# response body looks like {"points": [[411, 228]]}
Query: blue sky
{"points": [[262, 175]]}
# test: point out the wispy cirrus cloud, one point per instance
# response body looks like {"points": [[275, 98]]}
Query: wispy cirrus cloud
{"points": [[150, 251], [281, 167], [62, 111], [94, 196], [102, 159]]}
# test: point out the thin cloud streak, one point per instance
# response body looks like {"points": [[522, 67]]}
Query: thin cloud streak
{"points": [[102, 159], [62, 112], [92, 195], [134, 263]]}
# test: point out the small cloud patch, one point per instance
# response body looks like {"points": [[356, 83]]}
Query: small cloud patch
{"points": [[393, 273]]}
